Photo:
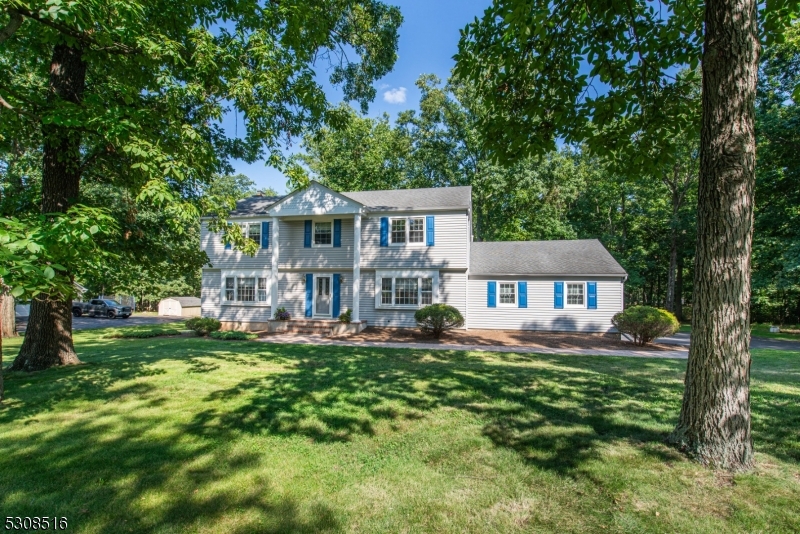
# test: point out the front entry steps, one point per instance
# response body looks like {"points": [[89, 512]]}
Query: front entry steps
{"points": [[319, 327]]}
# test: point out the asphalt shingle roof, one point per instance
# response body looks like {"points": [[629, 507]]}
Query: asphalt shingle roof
{"points": [[256, 205], [573, 257], [414, 199]]}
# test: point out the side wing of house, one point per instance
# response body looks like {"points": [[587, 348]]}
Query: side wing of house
{"points": [[565, 286]]}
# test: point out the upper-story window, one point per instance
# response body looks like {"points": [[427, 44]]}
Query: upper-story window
{"points": [[323, 234], [250, 230], [408, 230]]}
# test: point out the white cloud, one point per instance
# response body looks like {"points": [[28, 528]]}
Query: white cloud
{"points": [[395, 96]]}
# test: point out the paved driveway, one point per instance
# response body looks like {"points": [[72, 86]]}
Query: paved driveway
{"points": [[682, 338], [87, 323]]}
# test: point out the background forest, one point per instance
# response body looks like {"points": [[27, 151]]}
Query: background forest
{"points": [[647, 221]]}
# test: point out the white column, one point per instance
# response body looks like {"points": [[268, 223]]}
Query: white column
{"points": [[276, 243], [356, 266]]}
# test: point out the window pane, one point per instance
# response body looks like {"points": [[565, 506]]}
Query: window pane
{"points": [[323, 233], [405, 291], [230, 293], [426, 292], [386, 291], [507, 294], [246, 289], [262, 289], [575, 294], [254, 232], [398, 230], [416, 230]]}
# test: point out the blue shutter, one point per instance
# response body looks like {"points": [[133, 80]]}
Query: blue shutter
{"points": [[264, 234], [559, 296], [522, 288], [228, 245], [309, 294], [337, 232], [307, 236], [384, 231], [336, 301], [429, 229], [491, 294], [591, 291]]}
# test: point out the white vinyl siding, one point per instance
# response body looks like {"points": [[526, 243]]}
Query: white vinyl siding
{"points": [[293, 255], [211, 302], [451, 290], [211, 244], [450, 249], [541, 313]]}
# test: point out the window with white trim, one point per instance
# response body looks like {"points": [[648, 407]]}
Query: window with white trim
{"points": [[508, 293], [251, 230], [386, 291], [426, 292], [406, 289], [250, 288], [323, 234], [576, 294], [407, 230]]}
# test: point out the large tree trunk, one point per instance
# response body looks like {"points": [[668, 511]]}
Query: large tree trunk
{"points": [[714, 424], [679, 287], [48, 339], [8, 327]]}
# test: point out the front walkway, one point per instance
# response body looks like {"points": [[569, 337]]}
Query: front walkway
{"points": [[679, 353]]}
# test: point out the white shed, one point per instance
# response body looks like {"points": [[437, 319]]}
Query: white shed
{"points": [[180, 306]]}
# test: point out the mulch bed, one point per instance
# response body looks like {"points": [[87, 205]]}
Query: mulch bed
{"points": [[511, 338]]}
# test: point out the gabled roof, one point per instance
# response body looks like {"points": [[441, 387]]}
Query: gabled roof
{"points": [[431, 198], [316, 199], [414, 199], [569, 257], [257, 205]]}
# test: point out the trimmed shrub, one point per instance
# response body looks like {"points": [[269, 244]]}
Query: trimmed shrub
{"points": [[203, 325], [231, 335], [346, 317], [645, 323], [436, 318], [282, 315]]}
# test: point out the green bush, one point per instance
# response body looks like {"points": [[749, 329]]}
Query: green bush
{"points": [[203, 325], [229, 335], [645, 323], [346, 317], [436, 318]]}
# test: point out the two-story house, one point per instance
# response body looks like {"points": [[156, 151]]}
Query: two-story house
{"points": [[385, 254]]}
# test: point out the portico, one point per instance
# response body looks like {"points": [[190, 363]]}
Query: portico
{"points": [[319, 213]]}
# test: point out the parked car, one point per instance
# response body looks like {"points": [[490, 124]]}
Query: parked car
{"points": [[101, 308]]}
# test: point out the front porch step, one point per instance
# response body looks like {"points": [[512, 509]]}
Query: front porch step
{"points": [[319, 327]]}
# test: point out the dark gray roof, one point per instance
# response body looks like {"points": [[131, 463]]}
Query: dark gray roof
{"points": [[256, 205], [187, 302], [573, 257], [414, 199]]}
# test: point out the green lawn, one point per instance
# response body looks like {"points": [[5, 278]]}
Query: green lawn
{"points": [[762, 330], [188, 434]]}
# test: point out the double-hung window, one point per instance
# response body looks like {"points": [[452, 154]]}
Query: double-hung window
{"points": [[508, 293], [576, 294], [406, 289], [407, 230], [252, 231], [323, 234], [245, 288]]}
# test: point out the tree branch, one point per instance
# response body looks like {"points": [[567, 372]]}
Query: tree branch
{"points": [[12, 26], [115, 48]]}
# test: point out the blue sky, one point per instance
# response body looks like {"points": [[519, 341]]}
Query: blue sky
{"points": [[428, 40]]}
